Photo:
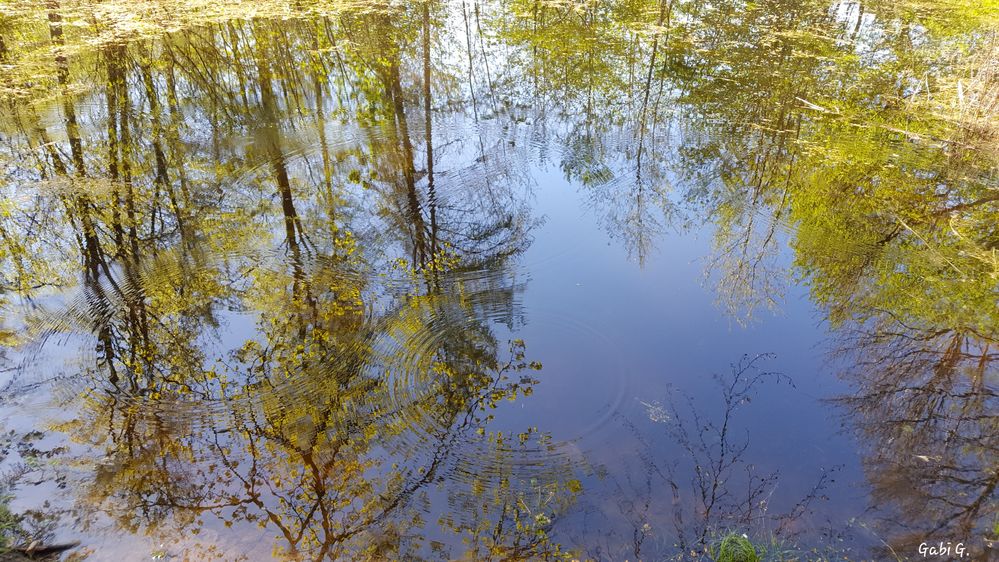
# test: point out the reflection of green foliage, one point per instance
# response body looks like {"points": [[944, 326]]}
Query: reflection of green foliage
{"points": [[311, 421], [871, 141], [875, 159], [504, 516], [889, 194]]}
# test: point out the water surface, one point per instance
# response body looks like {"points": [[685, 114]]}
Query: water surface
{"points": [[500, 280]]}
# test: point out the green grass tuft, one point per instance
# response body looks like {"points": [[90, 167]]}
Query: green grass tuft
{"points": [[736, 548]]}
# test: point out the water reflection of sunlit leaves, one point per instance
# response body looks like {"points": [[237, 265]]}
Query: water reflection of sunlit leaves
{"points": [[353, 187]]}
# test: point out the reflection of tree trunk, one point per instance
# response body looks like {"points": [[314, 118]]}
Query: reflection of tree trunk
{"points": [[393, 87], [272, 142], [317, 86], [114, 77], [665, 57], [640, 196], [648, 84], [279, 167], [133, 294], [92, 255], [485, 57], [98, 301], [162, 179], [62, 65], [471, 77], [238, 67], [860, 20], [173, 136], [428, 124], [534, 47], [126, 158]]}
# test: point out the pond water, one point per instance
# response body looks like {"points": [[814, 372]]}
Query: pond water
{"points": [[500, 280]]}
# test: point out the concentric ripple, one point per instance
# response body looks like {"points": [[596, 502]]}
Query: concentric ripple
{"points": [[309, 333]]}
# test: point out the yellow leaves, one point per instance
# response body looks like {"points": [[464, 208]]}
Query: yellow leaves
{"points": [[8, 338], [101, 23]]}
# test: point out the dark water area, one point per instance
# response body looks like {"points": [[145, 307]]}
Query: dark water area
{"points": [[500, 281]]}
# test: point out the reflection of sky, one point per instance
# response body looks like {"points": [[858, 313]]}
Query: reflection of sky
{"points": [[612, 335], [615, 338]]}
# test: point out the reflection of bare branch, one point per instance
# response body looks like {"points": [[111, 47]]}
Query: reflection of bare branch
{"points": [[714, 488], [717, 455], [928, 406]]}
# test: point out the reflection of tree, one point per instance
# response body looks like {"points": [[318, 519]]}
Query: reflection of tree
{"points": [[285, 168], [515, 519], [714, 488], [353, 395], [28, 534], [926, 404], [890, 206], [603, 72], [310, 440], [440, 210], [890, 239], [747, 80]]}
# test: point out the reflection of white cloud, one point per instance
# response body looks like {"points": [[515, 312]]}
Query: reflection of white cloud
{"points": [[656, 411]]}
